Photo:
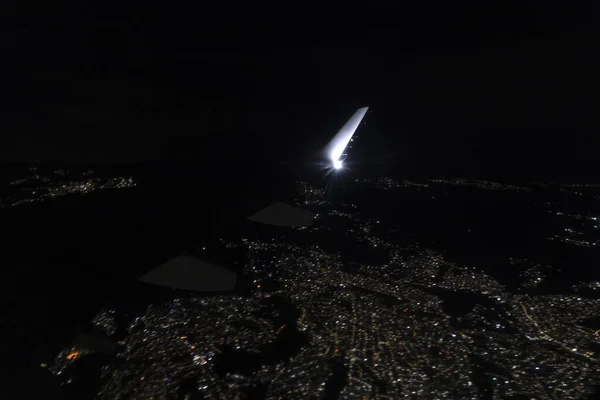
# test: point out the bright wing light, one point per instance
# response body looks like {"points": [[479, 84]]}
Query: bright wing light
{"points": [[340, 141]]}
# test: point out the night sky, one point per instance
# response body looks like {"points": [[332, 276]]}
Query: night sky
{"points": [[497, 89]]}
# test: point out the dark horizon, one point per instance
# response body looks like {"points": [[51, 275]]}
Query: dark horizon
{"points": [[486, 90]]}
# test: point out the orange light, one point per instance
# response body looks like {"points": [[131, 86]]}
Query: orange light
{"points": [[280, 328], [73, 355]]}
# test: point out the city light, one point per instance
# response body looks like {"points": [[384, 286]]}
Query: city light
{"points": [[387, 318], [37, 188]]}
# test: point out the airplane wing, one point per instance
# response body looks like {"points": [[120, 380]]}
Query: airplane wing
{"points": [[188, 272], [338, 144]]}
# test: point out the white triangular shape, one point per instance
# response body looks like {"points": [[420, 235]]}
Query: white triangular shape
{"points": [[190, 273], [282, 214]]}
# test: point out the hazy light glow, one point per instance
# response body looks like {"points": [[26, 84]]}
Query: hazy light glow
{"points": [[342, 138]]}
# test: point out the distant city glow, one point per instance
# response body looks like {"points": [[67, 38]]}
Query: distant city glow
{"points": [[38, 188]]}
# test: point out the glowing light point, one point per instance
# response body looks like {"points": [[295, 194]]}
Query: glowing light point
{"points": [[339, 142]]}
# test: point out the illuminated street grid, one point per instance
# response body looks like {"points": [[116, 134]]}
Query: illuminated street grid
{"points": [[573, 237], [531, 274], [574, 216], [309, 195], [587, 285], [489, 185], [388, 183], [387, 324], [179, 340], [105, 321], [583, 223], [65, 358]]}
